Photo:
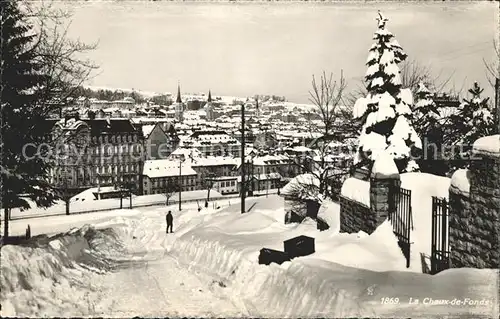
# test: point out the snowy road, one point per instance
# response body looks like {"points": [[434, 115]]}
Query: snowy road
{"points": [[152, 283], [221, 277], [160, 288]]}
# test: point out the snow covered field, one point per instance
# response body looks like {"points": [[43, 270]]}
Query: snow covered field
{"points": [[209, 267], [85, 202]]}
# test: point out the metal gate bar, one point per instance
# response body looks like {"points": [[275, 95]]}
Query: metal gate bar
{"points": [[402, 220], [440, 252]]}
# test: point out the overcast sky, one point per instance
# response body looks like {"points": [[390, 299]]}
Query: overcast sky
{"points": [[246, 49]]}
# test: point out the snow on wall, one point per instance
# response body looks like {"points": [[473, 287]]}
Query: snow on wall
{"points": [[48, 280], [384, 167], [489, 145], [357, 190], [460, 182]]}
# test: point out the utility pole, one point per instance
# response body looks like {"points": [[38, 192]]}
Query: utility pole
{"points": [[180, 183], [243, 180]]}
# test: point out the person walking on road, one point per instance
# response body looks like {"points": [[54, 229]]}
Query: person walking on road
{"points": [[170, 221]]}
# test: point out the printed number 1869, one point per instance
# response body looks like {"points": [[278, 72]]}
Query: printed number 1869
{"points": [[389, 301]]}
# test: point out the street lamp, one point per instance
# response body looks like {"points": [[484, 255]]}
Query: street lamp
{"points": [[181, 160]]}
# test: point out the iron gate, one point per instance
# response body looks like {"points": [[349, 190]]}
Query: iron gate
{"points": [[402, 220], [440, 251]]}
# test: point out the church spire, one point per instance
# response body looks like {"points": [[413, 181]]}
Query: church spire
{"points": [[179, 100], [257, 103], [209, 96]]}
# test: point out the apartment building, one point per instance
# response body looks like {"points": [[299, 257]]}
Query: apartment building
{"points": [[165, 175], [96, 152], [220, 171], [212, 143]]}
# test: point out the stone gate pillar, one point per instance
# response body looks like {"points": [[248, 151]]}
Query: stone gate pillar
{"points": [[485, 200], [384, 180], [475, 208]]}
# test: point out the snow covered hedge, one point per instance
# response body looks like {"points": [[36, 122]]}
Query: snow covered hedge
{"points": [[302, 187]]}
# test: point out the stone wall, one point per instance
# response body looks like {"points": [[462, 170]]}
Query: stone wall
{"points": [[460, 238], [474, 216], [355, 216], [367, 215]]}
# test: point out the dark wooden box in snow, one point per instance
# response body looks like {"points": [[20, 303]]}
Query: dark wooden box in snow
{"points": [[268, 256], [299, 246]]}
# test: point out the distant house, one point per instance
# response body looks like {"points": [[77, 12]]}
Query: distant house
{"points": [[158, 144], [213, 143], [160, 176], [220, 171]]}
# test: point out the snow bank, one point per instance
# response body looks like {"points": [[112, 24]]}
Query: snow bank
{"points": [[51, 276], [226, 245], [330, 213], [489, 145], [357, 190], [460, 182]]}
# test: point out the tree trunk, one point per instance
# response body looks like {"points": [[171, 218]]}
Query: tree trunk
{"points": [[497, 104], [208, 194], [67, 206], [121, 200], [6, 223]]}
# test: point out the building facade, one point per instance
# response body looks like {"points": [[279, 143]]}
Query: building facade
{"points": [[164, 176], [96, 152], [158, 144], [213, 143]]}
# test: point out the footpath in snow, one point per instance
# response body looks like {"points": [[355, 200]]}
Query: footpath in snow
{"points": [[122, 271], [209, 267]]}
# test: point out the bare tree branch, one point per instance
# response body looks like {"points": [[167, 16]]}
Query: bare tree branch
{"points": [[493, 68]]}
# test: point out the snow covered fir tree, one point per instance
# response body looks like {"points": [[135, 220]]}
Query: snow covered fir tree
{"points": [[426, 113], [427, 123], [23, 112], [474, 118], [386, 110]]}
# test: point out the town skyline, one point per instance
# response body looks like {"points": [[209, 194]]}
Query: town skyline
{"points": [[241, 50]]}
